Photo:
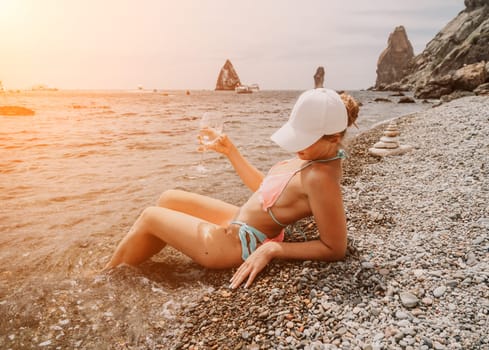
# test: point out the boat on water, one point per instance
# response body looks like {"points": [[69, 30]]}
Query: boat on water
{"points": [[254, 87], [247, 89], [42, 87], [243, 89]]}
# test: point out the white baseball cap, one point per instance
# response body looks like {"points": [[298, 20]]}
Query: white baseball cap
{"points": [[317, 112]]}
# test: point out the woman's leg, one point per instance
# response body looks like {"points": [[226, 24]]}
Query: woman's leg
{"points": [[207, 208], [206, 243]]}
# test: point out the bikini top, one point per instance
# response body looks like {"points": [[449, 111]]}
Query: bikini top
{"points": [[273, 185]]}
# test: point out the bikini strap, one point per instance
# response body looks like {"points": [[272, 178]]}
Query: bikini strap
{"points": [[269, 210], [341, 154]]}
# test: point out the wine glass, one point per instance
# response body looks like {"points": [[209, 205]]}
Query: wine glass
{"points": [[211, 126]]}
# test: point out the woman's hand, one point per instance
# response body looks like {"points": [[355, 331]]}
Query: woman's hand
{"points": [[253, 265], [220, 142]]}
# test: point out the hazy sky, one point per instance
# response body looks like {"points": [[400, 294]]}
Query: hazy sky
{"points": [[182, 44]]}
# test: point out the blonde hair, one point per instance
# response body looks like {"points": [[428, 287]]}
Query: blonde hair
{"points": [[352, 108]]}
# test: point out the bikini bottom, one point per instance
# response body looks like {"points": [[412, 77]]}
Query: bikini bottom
{"points": [[250, 237]]}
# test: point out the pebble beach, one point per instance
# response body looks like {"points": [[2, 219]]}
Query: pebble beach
{"points": [[415, 276]]}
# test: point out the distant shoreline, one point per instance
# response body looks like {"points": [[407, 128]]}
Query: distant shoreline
{"points": [[159, 90]]}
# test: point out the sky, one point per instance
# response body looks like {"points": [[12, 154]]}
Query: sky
{"points": [[183, 44]]}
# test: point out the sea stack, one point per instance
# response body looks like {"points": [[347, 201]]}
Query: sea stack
{"points": [[228, 78], [319, 78], [388, 144], [393, 62]]}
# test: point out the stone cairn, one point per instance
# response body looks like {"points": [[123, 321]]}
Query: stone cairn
{"points": [[388, 144]]}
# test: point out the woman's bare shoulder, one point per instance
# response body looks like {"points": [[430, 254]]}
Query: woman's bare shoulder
{"points": [[322, 174]]}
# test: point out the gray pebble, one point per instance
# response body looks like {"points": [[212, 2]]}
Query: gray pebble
{"points": [[452, 283], [378, 337], [404, 323], [439, 291], [401, 315], [409, 299], [438, 346], [245, 335], [367, 265]]}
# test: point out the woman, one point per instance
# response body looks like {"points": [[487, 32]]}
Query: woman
{"points": [[216, 234]]}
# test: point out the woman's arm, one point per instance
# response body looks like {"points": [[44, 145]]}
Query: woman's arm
{"points": [[326, 202], [250, 175]]}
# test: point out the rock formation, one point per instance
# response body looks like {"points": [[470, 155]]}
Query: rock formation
{"points": [[394, 60], [455, 60], [406, 99], [319, 78], [228, 78], [389, 143]]}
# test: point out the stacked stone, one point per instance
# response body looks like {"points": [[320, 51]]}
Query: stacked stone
{"points": [[389, 143]]}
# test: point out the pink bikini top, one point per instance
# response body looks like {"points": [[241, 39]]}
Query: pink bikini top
{"points": [[273, 185]]}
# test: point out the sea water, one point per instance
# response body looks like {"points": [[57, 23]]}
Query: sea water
{"points": [[89, 162]]}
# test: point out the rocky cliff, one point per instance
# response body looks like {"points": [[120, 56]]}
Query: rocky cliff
{"points": [[394, 61], [456, 59], [228, 78]]}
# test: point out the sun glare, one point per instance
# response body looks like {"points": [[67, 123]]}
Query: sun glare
{"points": [[8, 11]]}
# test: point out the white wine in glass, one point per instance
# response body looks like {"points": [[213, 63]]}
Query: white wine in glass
{"points": [[213, 122]]}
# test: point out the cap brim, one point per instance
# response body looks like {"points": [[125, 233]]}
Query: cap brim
{"points": [[293, 140]]}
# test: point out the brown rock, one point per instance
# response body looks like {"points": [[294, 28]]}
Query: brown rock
{"points": [[394, 60], [456, 94], [406, 99], [473, 4], [435, 88], [482, 89], [228, 78], [469, 77], [382, 99]]}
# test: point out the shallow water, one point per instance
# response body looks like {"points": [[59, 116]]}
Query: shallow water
{"points": [[80, 171]]}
